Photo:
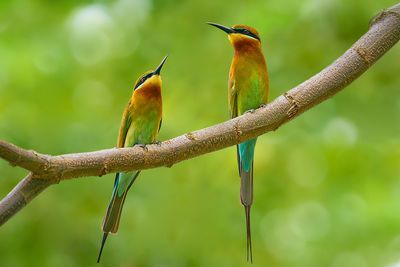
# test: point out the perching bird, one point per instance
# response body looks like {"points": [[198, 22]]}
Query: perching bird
{"points": [[140, 125], [248, 90]]}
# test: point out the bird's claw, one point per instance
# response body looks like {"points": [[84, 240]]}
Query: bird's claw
{"points": [[143, 146], [158, 143], [250, 111]]}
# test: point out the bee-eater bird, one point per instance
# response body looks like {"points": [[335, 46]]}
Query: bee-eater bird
{"points": [[248, 90], [140, 125]]}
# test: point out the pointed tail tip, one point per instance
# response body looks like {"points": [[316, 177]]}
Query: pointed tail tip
{"points": [[248, 231], [102, 246]]}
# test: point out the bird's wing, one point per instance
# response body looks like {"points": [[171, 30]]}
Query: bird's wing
{"points": [[125, 125], [233, 109], [233, 98]]}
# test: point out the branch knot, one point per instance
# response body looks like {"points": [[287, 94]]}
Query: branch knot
{"points": [[190, 136], [294, 107], [383, 13]]}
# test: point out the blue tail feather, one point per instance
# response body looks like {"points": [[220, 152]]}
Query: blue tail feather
{"points": [[245, 161], [246, 153]]}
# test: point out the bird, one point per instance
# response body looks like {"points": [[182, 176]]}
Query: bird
{"points": [[141, 122], [248, 88]]}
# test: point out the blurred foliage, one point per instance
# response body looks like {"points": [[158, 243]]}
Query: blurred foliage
{"points": [[327, 187]]}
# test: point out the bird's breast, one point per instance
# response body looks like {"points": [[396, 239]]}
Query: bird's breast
{"points": [[248, 81]]}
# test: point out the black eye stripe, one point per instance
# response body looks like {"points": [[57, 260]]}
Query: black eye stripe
{"points": [[143, 79], [247, 32]]}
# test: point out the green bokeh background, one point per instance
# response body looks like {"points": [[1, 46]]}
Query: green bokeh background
{"points": [[327, 185]]}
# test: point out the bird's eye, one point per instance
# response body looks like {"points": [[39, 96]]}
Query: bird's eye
{"points": [[246, 31], [143, 79]]}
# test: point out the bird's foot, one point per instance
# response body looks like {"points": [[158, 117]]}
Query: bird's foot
{"points": [[262, 106], [143, 146], [250, 111], [158, 143]]}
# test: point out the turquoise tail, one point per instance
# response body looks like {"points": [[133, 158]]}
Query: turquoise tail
{"points": [[114, 210], [245, 161], [245, 154]]}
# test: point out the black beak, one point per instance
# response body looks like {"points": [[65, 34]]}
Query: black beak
{"points": [[225, 29], [157, 71]]}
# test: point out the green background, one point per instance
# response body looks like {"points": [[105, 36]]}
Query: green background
{"points": [[327, 187]]}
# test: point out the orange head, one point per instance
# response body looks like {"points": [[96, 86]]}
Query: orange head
{"points": [[240, 35], [150, 78]]}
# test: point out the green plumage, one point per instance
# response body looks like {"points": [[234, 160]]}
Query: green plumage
{"points": [[248, 90], [140, 125]]}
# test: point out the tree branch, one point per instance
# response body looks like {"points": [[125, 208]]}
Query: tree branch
{"points": [[45, 170], [27, 159], [21, 195]]}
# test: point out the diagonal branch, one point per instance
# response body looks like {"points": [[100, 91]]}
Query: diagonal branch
{"points": [[21, 195], [384, 33]]}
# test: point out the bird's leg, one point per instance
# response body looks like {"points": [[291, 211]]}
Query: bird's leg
{"points": [[143, 146], [250, 111]]}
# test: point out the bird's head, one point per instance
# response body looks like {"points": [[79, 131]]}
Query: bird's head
{"points": [[150, 78], [240, 35]]}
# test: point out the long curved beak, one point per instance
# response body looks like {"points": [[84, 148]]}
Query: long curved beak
{"points": [[224, 28], [157, 71]]}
